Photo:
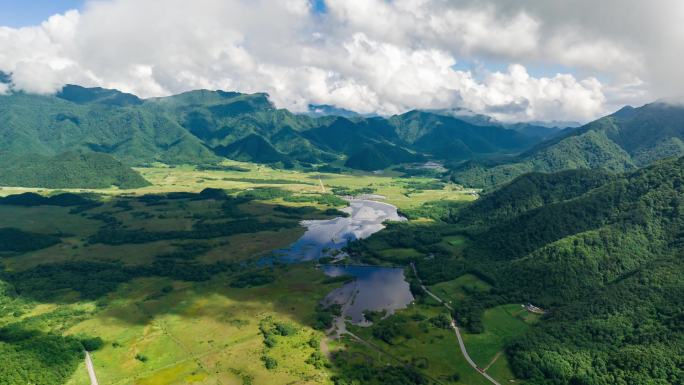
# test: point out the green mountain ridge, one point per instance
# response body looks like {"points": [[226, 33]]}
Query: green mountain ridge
{"points": [[629, 139], [203, 127], [603, 254]]}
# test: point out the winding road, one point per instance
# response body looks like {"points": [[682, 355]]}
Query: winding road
{"points": [[91, 369], [456, 329]]}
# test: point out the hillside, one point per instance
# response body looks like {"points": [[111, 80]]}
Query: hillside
{"points": [[450, 138], [626, 140], [251, 148], [604, 255], [67, 170], [203, 127], [378, 156], [49, 125]]}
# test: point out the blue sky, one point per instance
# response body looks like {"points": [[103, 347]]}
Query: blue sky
{"points": [[20, 13], [370, 56]]}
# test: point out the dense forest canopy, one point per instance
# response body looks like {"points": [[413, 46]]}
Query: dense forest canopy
{"points": [[601, 253]]}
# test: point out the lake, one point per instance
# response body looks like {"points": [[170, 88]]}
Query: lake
{"points": [[374, 288], [324, 237]]}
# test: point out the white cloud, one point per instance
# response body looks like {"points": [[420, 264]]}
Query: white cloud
{"points": [[515, 95], [364, 55]]}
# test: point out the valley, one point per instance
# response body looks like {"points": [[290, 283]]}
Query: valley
{"points": [[172, 306], [222, 271], [341, 192], [243, 275]]}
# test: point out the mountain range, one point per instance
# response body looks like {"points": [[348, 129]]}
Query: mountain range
{"points": [[626, 140], [204, 127]]}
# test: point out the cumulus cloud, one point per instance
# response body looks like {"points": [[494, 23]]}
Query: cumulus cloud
{"points": [[371, 56]]}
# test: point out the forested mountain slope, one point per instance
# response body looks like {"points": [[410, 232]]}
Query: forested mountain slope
{"points": [[626, 140], [49, 125], [200, 127], [604, 255]]}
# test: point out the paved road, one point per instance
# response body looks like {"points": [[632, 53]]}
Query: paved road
{"points": [[456, 330], [91, 369]]}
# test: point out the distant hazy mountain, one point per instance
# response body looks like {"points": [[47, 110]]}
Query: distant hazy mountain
{"points": [[625, 140], [319, 110], [446, 137], [204, 126], [556, 123], [537, 129]]}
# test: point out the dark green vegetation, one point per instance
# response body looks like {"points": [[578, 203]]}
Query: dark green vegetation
{"points": [[19, 241], [598, 245], [33, 357], [61, 200], [173, 236], [624, 141], [202, 127], [67, 170], [602, 254]]}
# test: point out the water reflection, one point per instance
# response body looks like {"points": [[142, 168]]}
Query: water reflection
{"points": [[375, 288], [325, 236]]}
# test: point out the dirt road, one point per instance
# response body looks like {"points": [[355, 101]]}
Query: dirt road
{"points": [[91, 369]]}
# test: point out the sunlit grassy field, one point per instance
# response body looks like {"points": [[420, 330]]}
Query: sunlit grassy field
{"points": [[435, 347], [187, 178], [457, 289], [501, 324], [205, 333], [157, 330], [187, 332]]}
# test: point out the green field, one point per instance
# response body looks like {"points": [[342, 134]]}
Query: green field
{"points": [[205, 333], [187, 330], [459, 288], [187, 178], [501, 324], [431, 349], [163, 326]]}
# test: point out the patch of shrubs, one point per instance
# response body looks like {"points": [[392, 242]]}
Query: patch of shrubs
{"points": [[441, 321], [324, 316], [254, 278], [92, 344], [141, 357], [269, 362], [16, 240]]}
